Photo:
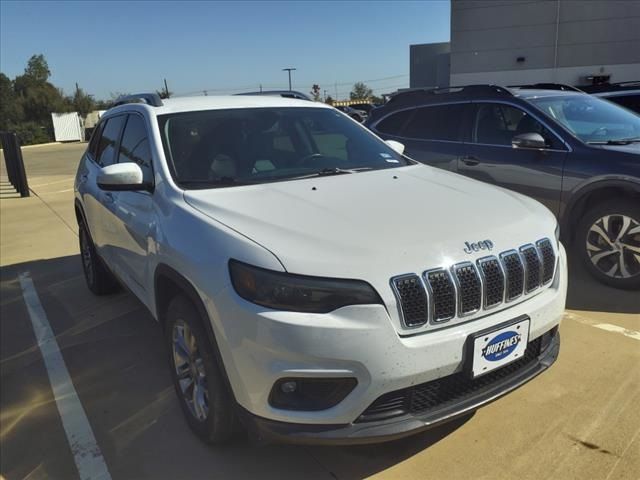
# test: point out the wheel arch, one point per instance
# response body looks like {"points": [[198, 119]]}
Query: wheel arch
{"points": [[590, 194], [167, 283]]}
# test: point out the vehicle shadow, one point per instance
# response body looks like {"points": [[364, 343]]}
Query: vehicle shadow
{"points": [[587, 293], [115, 353]]}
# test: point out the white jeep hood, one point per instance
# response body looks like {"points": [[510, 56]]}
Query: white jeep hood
{"points": [[374, 225]]}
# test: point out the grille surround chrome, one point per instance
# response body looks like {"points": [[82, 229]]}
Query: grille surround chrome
{"points": [[431, 294], [458, 286], [398, 296], [480, 262], [453, 288]]}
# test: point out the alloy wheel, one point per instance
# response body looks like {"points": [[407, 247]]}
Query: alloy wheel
{"points": [[87, 262], [190, 371], [613, 245]]}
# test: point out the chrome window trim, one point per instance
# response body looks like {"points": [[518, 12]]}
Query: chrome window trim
{"points": [[506, 279], [555, 260], [458, 288], [425, 276], [396, 293], [482, 261], [529, 112], [531, 246]]}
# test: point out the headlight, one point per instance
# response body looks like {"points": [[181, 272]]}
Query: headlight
{"points": [[558, 233], [299, 293]]}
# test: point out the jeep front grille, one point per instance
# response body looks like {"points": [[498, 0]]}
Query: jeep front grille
{"points": [[469, 288], [443, 294], [514, 272], [413, 299], [466, 288], [493, 279], [548, 259]]}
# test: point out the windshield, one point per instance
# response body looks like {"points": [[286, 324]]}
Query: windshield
{"points": [[591, 119], [247, 146]]}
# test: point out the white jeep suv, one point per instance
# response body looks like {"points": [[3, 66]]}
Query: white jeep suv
{"points": [[314, 284]]}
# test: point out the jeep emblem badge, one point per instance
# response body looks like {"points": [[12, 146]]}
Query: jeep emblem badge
{"points": [[476, 247]]}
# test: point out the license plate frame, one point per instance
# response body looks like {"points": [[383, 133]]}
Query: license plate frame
{"points": [[498, 346]]}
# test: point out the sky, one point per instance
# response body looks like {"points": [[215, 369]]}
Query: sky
{"points": [[222, 47]]}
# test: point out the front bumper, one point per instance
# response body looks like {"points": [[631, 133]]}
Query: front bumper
{"points": [[398, 427], [259, 347]]}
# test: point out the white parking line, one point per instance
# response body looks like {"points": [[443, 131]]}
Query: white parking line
{"points": [[609, 327], [615, 328], [86, 453]]}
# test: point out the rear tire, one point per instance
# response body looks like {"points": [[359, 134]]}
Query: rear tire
{"points": [[99, 279], [202, 391], [608, 241]]}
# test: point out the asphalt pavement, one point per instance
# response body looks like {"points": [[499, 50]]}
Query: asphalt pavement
{"points": [[580, 419]]}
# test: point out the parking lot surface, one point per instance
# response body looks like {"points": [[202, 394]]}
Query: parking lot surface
{"points": [[578, 420]]}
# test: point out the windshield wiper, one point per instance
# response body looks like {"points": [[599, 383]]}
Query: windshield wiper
{"points": [[327, 172], [622, 141]]}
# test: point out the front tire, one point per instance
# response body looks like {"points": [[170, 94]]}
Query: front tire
{"points": [[608, 239], [203, 394], [99, 279]]}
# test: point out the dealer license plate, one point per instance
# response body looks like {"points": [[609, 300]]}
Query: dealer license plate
{"points": [[495, 348]]}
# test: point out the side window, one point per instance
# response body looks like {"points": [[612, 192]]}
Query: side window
{"points": [[393, 124], [440, 122], [497, 124], [95, 140], [135, 146], [106, 153]]}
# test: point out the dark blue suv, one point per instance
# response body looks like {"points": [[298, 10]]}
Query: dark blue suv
{"points": [[577, 154]]}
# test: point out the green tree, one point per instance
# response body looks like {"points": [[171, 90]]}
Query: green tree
{"points": [[360, 92], [10, 112], [82, 103], [38, 68], [329, 100]]}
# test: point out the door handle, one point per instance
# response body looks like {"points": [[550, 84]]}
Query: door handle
{"points": [[471, 161]]}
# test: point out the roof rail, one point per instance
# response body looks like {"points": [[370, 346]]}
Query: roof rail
{"points": [[152, 99], [549, 86], [279, 93], [478, 89]]}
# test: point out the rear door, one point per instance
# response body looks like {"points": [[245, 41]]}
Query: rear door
{"points": [[434, 135], [492, 158]]}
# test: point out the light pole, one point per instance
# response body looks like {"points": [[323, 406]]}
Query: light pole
{"points": [[288, 70]]}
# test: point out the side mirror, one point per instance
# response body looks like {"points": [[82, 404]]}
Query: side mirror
{"points": [[121, 176], [396, 146], [529, 140]]}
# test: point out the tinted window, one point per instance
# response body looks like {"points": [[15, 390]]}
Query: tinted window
{"points": [[393, 123], [106, 154], [442, 122], [497, 124], [591, 119], [135, 146], [233, 147], [632, 102], [95, 140]]}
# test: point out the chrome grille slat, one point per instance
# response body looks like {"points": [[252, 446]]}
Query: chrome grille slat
{"points": [[548, 257], [466, 288], [492, 280], [442, 294], [532, 267], [412, 299], [469, 288]]}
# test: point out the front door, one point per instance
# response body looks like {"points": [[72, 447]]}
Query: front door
{"points": [[491, 157]]}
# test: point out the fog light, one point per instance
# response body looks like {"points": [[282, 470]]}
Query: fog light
{"points": [[310, 394], [288, 387]]}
